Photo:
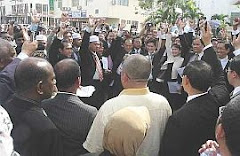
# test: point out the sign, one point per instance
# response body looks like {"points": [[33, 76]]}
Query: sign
{"points": [[51, 6]]}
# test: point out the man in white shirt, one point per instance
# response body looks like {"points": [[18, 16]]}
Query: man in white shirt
{"points": [[134, 78]]}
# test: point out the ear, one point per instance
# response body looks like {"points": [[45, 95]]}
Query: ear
{"points": [[124, 77], [78, 82], [60, 50], [219, 132], [40, 87]]}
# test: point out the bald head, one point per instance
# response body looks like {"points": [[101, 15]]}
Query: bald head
{"points": [[137, 67], [7, 53], [30, 72], [67, 72]]}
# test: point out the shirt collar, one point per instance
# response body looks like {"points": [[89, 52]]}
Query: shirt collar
{"points": [[135, 91], [189, 98], [200, 55], [224, 59], [236, 90], [236, 52]]}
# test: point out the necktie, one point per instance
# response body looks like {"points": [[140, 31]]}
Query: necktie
{"points": [[98, 66]]}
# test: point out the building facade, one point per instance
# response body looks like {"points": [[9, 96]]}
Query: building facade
{"points": [[114, 11], [211, 7]]}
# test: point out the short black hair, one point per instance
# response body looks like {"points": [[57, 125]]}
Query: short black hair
{"points": [[28, 74], [67, 72], [230, 120], [151, 40], [63, 43], [200, 75], [235, 64], [177, 46]]}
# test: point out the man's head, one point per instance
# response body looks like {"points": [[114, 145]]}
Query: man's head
{"points": [[77, 40], [222, 49], [197, 77], [228, 127], [135, 72], [42, 42], [233, 72], [66, 48], [7, 53], [128, 45], [68, 36], [67, 75], [18, 37], [35, 79], [6, 36], [197, 45], [151, 45], [94, 43], [137, 43]]}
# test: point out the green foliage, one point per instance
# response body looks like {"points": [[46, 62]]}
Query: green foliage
{"points": [[166, 10]]}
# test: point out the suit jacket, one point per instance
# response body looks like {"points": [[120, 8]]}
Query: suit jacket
{"points": [[7, 83], [53, 51], [34, 134], [219, 86], [88, 65], [77, 121], [189, 127]]}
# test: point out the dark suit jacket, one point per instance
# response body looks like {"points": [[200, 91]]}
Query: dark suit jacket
{"points": [[189, 127], [7, 83], [34, 134], [219, 87], [88, 65], [73, 118]]}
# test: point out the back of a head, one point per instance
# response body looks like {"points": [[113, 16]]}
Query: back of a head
{"points": [[231, 125], [199, 74], [235, 64], [67, 72], [29, 72], [137, 67], [126, 130], [7, 52]]}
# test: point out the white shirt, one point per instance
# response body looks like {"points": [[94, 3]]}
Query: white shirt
{"points": [[159, 110], [236, 52], [189, 98], [236, 90], [6, 141], [224, 62]]}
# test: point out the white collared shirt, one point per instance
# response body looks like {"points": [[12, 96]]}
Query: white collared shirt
{"points": [[236, 90], [236, 52], [191, 97], [224, 62]]}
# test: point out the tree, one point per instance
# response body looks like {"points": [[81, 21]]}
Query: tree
{"points": [[166, 10]]}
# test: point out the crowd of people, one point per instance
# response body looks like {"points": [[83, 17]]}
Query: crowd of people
{"points": [[169, 90]]}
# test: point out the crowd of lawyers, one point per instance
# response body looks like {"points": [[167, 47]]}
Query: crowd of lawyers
{"points": [[172, 90]]}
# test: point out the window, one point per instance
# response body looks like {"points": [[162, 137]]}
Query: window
{"points": [[96, 11], [122, 2], [75, 3], [60, 4], [128, 22], [39, 8]]}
